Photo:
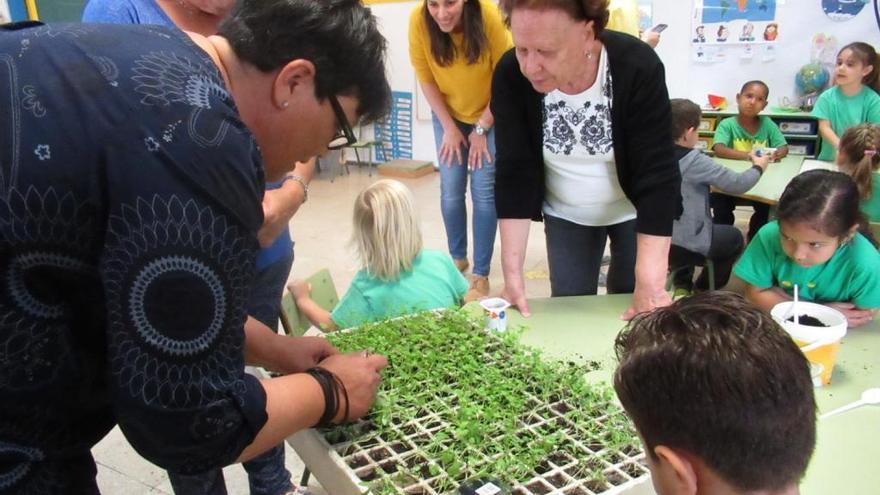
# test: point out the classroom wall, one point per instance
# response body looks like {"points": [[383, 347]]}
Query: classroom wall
{"points": [[799, 21]]}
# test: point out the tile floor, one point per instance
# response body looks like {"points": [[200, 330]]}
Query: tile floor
{"points": [[321, 230]]}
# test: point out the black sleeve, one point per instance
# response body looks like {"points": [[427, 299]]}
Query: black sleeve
{"points": [[652, 172], [519, 176]]}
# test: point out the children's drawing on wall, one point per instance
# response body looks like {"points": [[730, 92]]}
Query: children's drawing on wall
{"points": [[715, 20], [709, 54], [748, 32], [843, 10]]}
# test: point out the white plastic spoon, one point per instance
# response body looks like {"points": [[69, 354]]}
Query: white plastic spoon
{"points": [[869, 397], [794, 306]]}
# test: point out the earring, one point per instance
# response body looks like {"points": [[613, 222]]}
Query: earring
{"points": [[284, 103], [589, 55]]}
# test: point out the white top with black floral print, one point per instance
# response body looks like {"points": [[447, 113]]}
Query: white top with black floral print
{"points": [[581, 176]]}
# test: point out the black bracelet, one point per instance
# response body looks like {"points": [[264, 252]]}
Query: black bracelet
{"points": [[330, 386]]}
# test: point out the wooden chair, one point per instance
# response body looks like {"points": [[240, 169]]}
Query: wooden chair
{"points": [[323, 292]]}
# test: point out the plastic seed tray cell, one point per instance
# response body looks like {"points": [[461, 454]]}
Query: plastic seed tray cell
{"points": [[458, 404]]}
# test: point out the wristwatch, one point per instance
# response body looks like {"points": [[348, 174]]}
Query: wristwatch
{"points": [[480, 130]]}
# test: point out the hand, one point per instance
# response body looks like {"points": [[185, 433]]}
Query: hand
{"points": [[479, 151], [297, 354], [516, 296], [453, 142], [299, 288], [646, 299], [279, 205], [761, 161], [650, 37], [855, 317], [359, 374]]}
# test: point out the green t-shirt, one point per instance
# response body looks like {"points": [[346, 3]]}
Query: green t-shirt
{"points": [[844, 112], [732, 135], [851, 275], [434, 282], [871, 206]]}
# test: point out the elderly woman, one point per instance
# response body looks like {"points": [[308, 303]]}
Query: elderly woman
{"points": [[582, 122]]}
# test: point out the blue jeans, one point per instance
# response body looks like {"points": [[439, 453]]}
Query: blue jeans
{"points": [[267, 474], [453, 185]]}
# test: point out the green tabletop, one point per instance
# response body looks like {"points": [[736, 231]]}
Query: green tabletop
{"points": [[848, 447], [769, 188]]}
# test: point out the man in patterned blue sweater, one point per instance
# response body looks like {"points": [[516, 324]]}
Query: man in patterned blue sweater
{"points": [[131, 176]]}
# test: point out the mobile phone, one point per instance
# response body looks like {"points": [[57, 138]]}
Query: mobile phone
{"points": [[659, 28]]}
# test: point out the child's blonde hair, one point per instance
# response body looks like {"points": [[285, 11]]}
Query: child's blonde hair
{"points": [[386, 229], [860, 157]]}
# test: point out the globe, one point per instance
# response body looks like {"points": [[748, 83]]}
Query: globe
{"points": [[811, 79]]}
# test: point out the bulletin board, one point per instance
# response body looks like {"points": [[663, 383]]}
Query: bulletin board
{"points": [[804, 31]]}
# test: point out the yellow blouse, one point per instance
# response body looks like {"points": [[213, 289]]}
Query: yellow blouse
{"points": [[623, 17], [465, 87]]}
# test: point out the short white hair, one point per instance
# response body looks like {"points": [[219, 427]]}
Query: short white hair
{"points": [[386, 229]]}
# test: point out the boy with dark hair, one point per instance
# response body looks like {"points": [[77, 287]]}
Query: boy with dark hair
{"points": [[694, 237], [737, 137], [720, 395]]}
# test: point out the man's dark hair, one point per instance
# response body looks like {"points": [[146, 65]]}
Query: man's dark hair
{"points": [[339, 37], [756, 83], [685, 114], [474, 39], [716, 377]]}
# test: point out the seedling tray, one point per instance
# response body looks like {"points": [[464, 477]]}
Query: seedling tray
{"points": [[458, 404]]}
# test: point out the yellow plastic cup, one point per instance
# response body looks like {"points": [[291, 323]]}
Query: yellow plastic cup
{"points": [[819, 344]]}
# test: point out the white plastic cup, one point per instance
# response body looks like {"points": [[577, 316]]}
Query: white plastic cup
{"points": [[496, 313], [819, 344]]}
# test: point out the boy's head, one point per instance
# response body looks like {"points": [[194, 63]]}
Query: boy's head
{"points": [[685, 120], [752, 98], [720, 394]]}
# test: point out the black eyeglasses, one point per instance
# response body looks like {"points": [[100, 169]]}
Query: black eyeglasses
{"points": [[345, 137]]}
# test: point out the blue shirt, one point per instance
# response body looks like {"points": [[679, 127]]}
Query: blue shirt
{"points": [[130, 197], [126, 12], [149, 12]]}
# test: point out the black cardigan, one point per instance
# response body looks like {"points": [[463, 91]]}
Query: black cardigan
{"points": [[640, 127]]}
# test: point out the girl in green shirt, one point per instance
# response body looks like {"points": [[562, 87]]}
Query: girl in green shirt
{"points": [[854, 99], [858, 158], [815, 245]]}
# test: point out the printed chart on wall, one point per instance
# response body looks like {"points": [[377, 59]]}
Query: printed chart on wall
{"points": [[725, 28]]}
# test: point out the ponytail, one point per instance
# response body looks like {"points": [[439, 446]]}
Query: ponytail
{"points": [[859, 149]]}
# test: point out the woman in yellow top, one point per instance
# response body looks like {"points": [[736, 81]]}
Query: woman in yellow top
{"points": [[454, 46]]}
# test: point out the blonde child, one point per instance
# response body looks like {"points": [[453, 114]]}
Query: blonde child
{"points": [[398, 276], [815, 245], [858, 158], [736, 138], [854, 98]]}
